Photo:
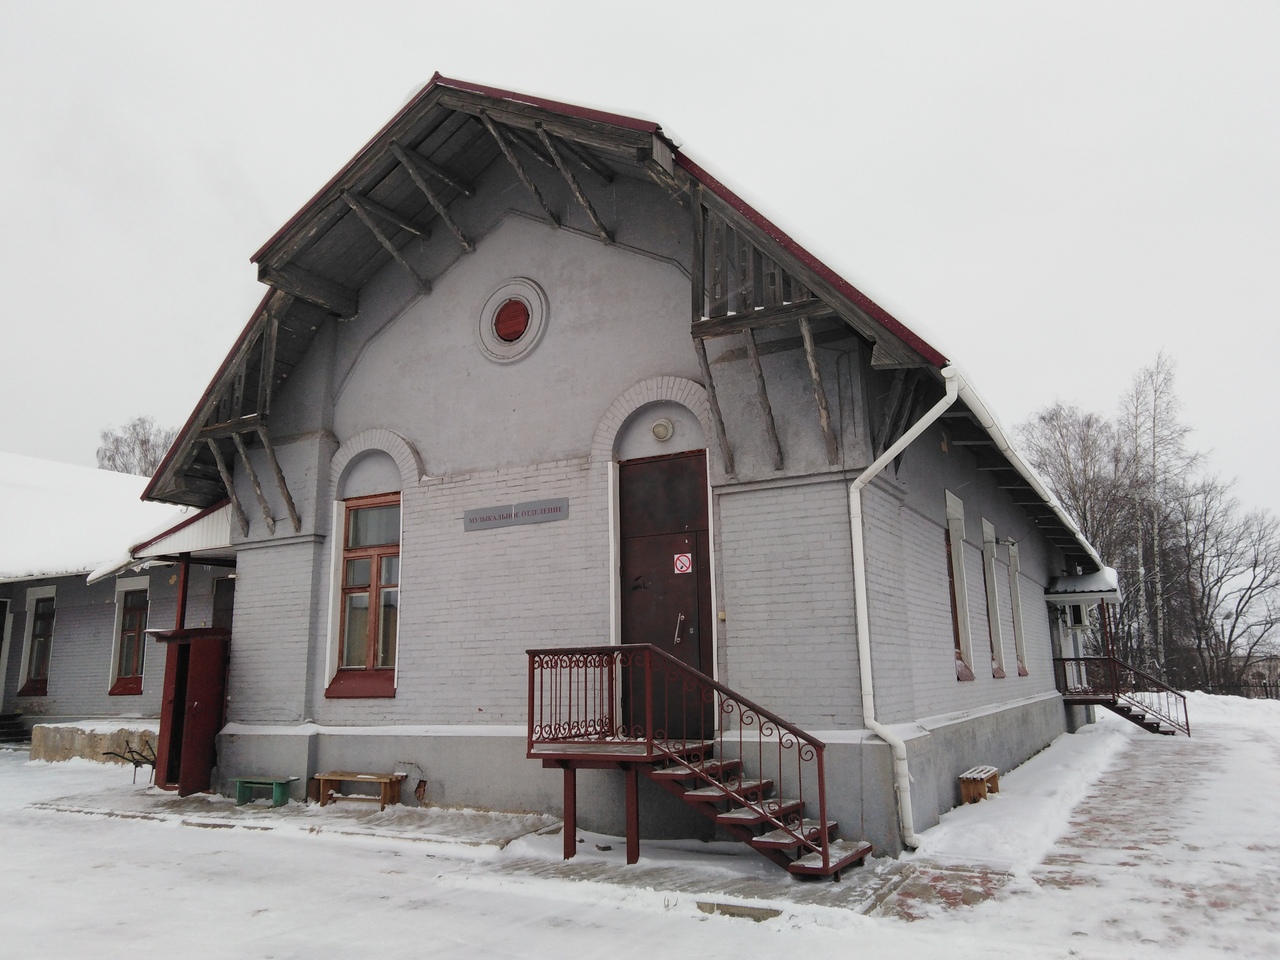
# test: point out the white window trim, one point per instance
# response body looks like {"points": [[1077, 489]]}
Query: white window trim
{"points": [[34, 594], [1015, 608], [955, 527], [6, 631], [993, 599], [338, 540], [124, 585]]}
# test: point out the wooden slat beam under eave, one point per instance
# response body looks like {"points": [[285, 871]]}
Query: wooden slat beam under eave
{"points": [[819, 394], [443, 175], [365, 217], [763, 318], [230, 486], [590, 161], [311, 287], [518, 167], [762, 394], [717, 419], [275, 468], [570, 179], [253, 482], [396, 219], [418, 174], [229, 428], [603, 137]]}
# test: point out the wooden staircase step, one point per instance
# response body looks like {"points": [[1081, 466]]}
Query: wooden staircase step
{"points": [[781, 839], [843, 854], [745, 788], [748, 816], [684, 771]]}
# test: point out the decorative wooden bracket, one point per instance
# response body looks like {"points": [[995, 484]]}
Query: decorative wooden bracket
{"points": [[570, 179], [358, 207], [819, 393], [419, 170], [762, 395], [518, 167]]}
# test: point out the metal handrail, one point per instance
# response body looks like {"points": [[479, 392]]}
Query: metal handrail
{"points": [[1165, 703], [587, 696]]}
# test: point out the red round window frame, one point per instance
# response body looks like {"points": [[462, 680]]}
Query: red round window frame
{"points": [[511, 320]]}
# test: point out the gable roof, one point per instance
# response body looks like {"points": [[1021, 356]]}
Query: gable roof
{"points": [[422, 165]]}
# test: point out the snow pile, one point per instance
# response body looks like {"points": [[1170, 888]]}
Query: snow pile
{"points": [[1015, 828], [61, 519]]}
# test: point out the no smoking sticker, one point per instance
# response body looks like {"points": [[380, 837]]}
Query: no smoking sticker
{"points": [[684, 563]]}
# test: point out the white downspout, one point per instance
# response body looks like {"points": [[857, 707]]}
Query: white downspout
{"points": [[902, 775]]}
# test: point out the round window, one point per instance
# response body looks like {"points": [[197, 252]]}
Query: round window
{"points": [[513, 320]]}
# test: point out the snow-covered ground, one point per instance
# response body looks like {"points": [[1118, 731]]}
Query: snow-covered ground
{"points": [[1111, 843]]}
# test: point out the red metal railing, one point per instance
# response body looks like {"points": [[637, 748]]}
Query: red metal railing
{"points": [[636, 702], [1108, 679]]}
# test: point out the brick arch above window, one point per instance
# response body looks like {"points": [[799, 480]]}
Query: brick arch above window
{"points": [[687, 393], [380, 439]]}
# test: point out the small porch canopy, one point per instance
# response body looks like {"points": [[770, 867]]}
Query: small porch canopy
{"points": [[1102, 586], [204, 537]]}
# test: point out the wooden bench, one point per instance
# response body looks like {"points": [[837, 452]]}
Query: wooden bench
{"points": [[388, 783], [976, 781], [279, 788]]}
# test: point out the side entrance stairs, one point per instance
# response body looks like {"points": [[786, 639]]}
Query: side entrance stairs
{"points": [[637, 709], [747, 809], [1124, 690], [13, 730]]}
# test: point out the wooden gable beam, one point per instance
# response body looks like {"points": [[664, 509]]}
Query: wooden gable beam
{"points": [[812, 309], [418, 172], [634, 145], [253, 482], [396, 219], [819, 394], [279, 474], [312, 287], [230, 487], [518, 167], [574, 186], [762, 394], [700, 348], [589, 160], [366, 217]]}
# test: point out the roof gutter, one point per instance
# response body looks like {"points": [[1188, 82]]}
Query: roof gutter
{"points": [[902, 775]]}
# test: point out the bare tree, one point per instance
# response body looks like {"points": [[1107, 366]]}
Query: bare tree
{"points": [[1231, 580], [137, 447]]}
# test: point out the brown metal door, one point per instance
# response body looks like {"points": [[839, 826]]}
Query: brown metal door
{"points": [[666, 585], [206, 697]]}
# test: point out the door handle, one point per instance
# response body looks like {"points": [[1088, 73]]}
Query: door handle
{"points": [[679, 620]]}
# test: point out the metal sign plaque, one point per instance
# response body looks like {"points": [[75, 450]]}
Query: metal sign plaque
{"points": [[515, 515]]}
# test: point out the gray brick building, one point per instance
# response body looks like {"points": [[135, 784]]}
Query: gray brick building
{"points": [[505, 310]]}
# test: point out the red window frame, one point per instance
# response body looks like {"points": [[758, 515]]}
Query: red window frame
{"points": [[368, 572], [42, 616], [131, 655]]}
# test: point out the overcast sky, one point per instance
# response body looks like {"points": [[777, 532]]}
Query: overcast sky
{"points": [[1052, 193]]}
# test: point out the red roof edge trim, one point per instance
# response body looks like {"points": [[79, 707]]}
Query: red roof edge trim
{"points": [[568, 109], [180, 525], [208, 391], [865, 303], [555, 106]]}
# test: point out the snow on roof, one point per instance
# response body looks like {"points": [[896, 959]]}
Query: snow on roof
{"points": [[1104, 583], [58, 519]]}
